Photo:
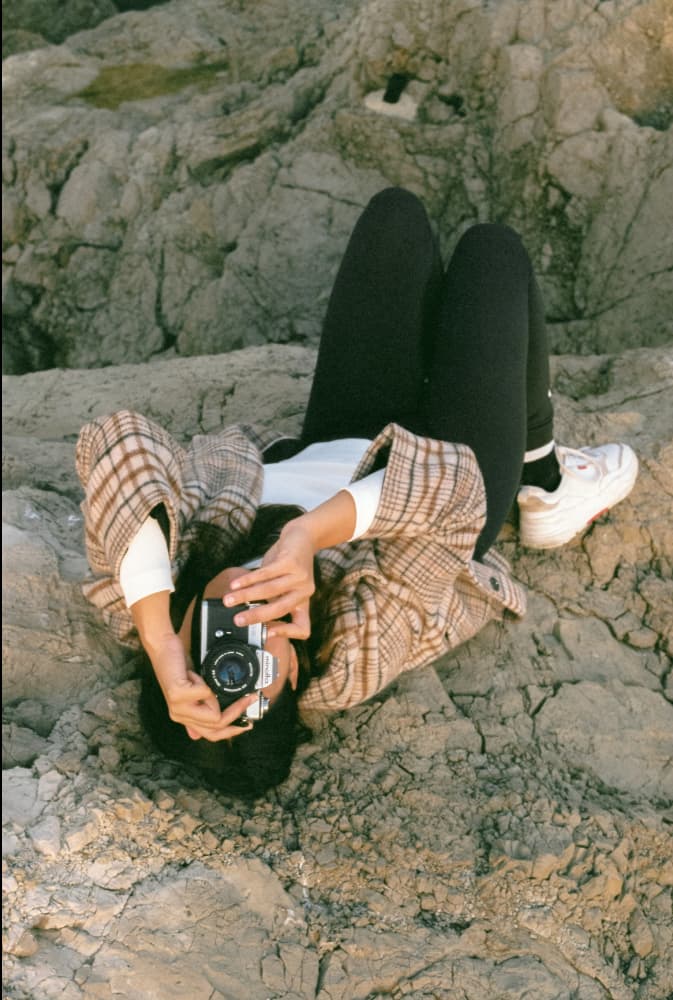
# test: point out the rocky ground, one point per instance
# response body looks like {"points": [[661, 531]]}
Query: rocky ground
{"points": [[494, 827]]}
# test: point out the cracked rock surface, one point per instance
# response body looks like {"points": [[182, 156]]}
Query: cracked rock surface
{"points": [[497, 825], [184, 178]]}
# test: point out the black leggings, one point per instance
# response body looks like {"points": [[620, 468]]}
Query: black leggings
{"points": [[458, 354]]}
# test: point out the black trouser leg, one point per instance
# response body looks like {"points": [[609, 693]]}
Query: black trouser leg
{"points": [[371, 364], [460, 357], [489, 371]]}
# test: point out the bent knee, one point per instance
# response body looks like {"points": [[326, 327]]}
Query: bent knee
{"points": [[492, 240], [396, 200], [491, 232]]}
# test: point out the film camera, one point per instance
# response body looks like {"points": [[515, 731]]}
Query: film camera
{"points": [[233, 660]]}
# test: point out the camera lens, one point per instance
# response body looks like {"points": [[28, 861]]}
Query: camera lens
{"points": [[230, 669], [230, 672]]}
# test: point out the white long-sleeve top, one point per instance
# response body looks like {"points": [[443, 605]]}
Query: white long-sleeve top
{"points": [[307, 479]]}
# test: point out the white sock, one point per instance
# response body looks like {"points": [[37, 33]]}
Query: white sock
{"points": [[537, 453]]}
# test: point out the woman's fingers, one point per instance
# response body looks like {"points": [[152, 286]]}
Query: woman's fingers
{"points": [[228, 726], [198, 693], [277, 572], [299, 584], [272, 610], [206, 719], [262, 591], [289, 630], [215, 736], [299, 626], [287, 566], [275, 567]]}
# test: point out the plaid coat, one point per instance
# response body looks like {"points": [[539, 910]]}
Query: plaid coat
{"points": [[401, 595]]}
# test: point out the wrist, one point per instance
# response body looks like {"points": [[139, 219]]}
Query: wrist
{"points": [[151, 617], [299, 529], [158, 645], [330, 523]]}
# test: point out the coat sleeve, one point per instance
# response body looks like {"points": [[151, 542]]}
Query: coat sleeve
{"points": [[401, 601], [429, 487], [127, 466]]}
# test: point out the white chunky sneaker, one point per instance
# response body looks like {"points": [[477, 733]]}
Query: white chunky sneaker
{"points": [[592, 481]]}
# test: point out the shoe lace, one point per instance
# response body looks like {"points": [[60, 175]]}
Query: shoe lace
{"points": [[572, 460]]}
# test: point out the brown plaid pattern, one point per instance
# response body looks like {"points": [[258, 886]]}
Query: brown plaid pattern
{"points": [[401, 596]]}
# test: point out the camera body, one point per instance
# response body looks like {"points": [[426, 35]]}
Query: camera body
{"points": [[232, 660]]}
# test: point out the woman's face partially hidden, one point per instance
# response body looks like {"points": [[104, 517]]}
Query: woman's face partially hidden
{"points": [[278, 645]]}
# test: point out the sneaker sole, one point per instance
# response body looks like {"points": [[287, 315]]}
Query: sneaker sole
{"points": [[544, 530]]}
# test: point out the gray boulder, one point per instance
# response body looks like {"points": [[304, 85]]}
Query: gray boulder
{"points": [[32, 24], [184, 179]]}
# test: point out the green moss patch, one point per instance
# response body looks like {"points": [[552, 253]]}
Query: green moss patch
{"points": [[115, 85]]}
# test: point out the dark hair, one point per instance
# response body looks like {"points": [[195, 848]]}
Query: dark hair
{"points": [[247, 765], [259, 758]]}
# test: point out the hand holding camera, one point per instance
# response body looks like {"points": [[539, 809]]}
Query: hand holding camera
{"points": [[232, 659], [279, 591]]}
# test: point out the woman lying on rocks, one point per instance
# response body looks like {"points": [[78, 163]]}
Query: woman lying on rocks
{"points": [[364, 548]]}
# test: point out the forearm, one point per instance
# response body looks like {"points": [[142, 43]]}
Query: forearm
{"points": [[331, 523], [151, 617]]}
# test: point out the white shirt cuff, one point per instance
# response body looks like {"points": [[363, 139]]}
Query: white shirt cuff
{"points": [[366, 494], [146, 567]]}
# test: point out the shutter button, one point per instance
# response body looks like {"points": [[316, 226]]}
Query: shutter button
{"points": [[494, 583]]}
